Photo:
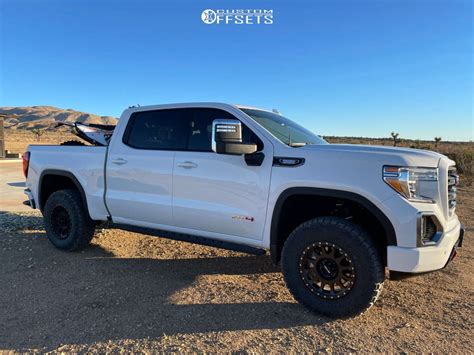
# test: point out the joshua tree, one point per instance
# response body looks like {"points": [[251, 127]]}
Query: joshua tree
{"points": [[437, 140], [38, 133], [395, 138]]}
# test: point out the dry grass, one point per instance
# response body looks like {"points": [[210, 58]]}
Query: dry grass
{"points": [[443, 147]]}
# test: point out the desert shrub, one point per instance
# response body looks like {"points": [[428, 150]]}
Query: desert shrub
{"points": [[464, 164], [419, 145]]}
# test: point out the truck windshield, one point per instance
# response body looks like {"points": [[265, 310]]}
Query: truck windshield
{"points": [[284, 129]]}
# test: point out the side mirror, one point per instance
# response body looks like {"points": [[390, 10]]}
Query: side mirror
{"points": [[227, 138]]}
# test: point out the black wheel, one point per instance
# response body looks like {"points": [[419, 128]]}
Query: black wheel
{"points": [[332, 267], [66, 221], [72, 143]]}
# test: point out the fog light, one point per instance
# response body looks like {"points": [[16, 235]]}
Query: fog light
{"points": [[429, 229]]}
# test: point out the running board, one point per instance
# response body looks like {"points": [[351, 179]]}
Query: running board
{"points": [[191, 239]]}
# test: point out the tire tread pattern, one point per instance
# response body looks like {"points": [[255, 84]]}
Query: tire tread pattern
{"points": [[353, 231], [83, 227]]}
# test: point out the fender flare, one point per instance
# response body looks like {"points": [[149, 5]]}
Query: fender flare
{"points": [[63, 173], [275, 248]]}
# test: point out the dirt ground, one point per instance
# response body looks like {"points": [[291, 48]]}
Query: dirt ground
{"points": [[129, 292]]}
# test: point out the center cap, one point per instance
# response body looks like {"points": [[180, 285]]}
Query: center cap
{"points": [[327, 269]]}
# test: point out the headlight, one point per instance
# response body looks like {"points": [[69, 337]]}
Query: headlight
{"points": [[407, 181]]}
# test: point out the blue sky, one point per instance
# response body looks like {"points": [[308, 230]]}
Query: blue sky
{"points": [[347, 68]]}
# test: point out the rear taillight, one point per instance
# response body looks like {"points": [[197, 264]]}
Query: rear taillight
{"points": [[26, 163]]}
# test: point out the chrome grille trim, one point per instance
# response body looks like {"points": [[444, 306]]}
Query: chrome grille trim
{"points": [[453, 179]]}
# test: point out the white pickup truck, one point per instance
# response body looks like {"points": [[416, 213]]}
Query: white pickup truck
{"points": [[252, 180]]}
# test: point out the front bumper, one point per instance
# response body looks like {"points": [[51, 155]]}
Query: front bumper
{"points": [[429, 258]]}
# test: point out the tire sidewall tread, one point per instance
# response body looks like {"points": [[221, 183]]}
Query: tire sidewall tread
{"points": [[364, 254], [82, 227]]}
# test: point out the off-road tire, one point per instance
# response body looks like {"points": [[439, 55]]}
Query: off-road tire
{"points": [[69, 206], [368, 274]]}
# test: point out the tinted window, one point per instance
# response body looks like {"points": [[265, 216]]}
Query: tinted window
{"points": [[179, 129], [161, 130], [200, 129]]}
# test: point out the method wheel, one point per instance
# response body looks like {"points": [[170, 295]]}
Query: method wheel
{"points": [[332, 267]]}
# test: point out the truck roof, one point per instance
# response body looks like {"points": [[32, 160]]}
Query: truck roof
{"points": [[251, 108], [193, 104]]}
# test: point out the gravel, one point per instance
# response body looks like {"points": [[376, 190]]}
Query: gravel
{"points": [[21, 221]]}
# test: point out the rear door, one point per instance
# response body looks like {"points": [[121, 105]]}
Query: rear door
{"points": [[140, 168], [219, 193]]}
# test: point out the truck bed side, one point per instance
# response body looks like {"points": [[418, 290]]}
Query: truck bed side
{"points": [[85, 164]]}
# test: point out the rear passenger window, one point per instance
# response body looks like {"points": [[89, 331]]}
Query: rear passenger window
{"points": [[160, 130]]}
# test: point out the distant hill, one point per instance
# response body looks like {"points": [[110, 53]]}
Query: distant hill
{"points": [[46, 117]]}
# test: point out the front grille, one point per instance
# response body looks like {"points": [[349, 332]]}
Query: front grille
{"points": [[453, 179]]}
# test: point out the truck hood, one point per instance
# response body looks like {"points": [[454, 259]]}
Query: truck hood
{"points": [[391, 155]]}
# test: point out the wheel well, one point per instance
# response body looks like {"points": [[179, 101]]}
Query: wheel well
{"points": [[51, 182], [292, 209]]}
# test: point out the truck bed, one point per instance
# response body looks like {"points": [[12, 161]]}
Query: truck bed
{"points": [[85, 163]]}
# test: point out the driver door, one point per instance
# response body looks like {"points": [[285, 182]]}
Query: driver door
{"points": [[219, 193]]}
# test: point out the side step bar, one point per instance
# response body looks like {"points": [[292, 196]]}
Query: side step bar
{"points": [[191, 239]]}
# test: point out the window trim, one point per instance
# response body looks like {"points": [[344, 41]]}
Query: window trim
{"points": [[132, 118]]}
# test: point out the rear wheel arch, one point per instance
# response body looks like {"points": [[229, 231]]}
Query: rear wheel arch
{"points": [[52, 180], [278, 234]]}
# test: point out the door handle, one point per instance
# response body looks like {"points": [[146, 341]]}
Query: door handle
{"points": [[187, 165], [119, 161]]}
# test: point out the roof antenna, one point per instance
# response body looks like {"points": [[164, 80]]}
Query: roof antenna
{"points": [[274, 110]]}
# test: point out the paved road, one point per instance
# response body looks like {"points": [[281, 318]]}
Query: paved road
{"points": [[12, 184]]}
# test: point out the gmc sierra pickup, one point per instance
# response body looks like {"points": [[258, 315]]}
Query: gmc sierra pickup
{"points": [[252, 180]]}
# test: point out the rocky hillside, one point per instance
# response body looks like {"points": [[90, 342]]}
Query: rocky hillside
{"points": [[45, 117]]}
